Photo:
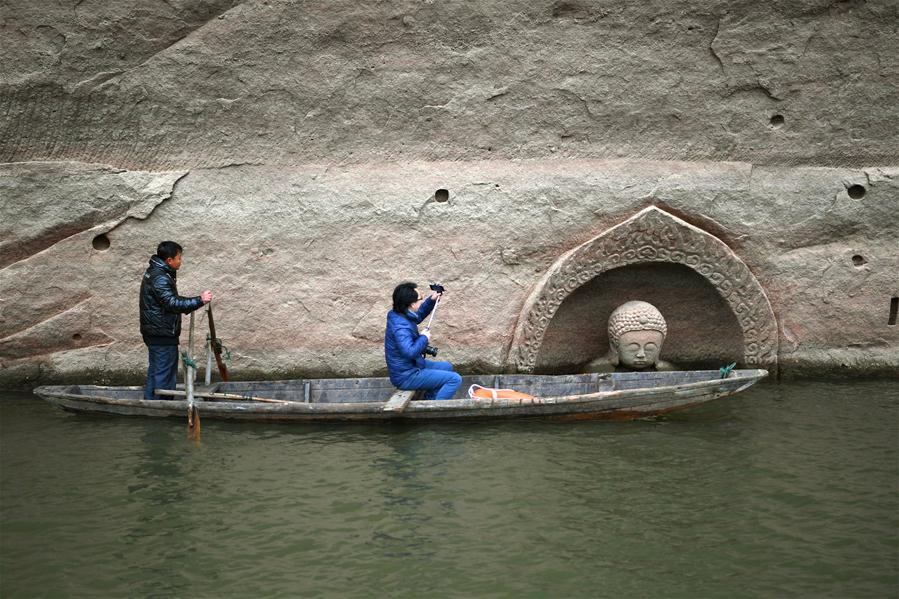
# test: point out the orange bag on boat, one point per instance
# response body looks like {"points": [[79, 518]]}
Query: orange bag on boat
{"points": [[479, 392]]}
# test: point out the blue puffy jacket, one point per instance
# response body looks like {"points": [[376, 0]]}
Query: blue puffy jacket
{"points": [[402, 343]]}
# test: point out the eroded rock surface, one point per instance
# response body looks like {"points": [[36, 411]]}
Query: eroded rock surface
{"points": [[194, 83], [303, 261], [297, 151]]}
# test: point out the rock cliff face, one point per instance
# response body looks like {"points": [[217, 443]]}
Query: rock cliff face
{"points": [[309, 156]]}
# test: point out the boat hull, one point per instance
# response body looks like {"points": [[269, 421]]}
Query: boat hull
{"points": [[620, 396]]}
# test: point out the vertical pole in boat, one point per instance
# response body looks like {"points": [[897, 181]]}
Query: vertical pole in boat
{"points": [[193, 415], [208, 373], [216, 344]]}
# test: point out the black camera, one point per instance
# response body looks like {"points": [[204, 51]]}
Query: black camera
{"points": [[430, 350], [437, 287]]}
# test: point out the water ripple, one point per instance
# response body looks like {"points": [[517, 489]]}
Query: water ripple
{"points": [[788, 490]]}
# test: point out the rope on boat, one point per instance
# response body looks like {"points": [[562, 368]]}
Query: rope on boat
{"points": [[725, 370], [188, 361], [226, 353]]}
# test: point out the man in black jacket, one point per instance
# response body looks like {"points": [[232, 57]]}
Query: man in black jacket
{"points": [[160, 316]]}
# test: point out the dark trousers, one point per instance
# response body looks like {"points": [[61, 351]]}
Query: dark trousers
{"points": [[162, 372]]}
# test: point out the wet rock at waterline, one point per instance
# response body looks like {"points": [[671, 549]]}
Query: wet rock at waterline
{"points": [[303, 261]]}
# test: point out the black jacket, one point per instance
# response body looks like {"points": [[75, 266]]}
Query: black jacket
{"points": [[161, 306]]}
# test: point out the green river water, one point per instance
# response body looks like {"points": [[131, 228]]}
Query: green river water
{"points": [[787, 490]]}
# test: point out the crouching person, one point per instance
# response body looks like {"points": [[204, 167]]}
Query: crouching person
{"points": [[404, 346]]}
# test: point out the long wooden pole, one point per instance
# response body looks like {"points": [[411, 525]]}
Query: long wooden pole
{"points": [[208, 372], [193, 415], [223, 396], [216, 344]]}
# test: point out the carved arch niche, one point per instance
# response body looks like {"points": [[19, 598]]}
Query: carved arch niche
{"points": [[648, 249]]}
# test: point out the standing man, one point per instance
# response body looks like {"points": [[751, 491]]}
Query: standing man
{"points": [[160, 316]]}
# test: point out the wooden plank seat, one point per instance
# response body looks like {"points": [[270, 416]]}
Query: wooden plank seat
{"points": [[398, 401]]}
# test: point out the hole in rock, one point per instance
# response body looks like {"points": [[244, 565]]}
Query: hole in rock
{"points": [[894, 309], [856, 192], [777, 121], [859, 260], [101, 243], [76, 337], [441, 195]]}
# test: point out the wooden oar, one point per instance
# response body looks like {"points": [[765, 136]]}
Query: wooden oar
{"points": [[193, 415], [222, 396], [216, 344]]}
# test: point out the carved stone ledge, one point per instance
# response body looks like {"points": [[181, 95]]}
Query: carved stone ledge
{"points": [[651, 236]]}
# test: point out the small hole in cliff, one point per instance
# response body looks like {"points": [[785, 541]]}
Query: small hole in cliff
{"points": [[859, 260], [101, 243], [76, 337], [777, 121], [441, 195], [856, 192], [894, 309]]}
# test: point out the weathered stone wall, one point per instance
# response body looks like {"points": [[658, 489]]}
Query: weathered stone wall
{"points": [[304, 259], [295, 150], [191, 83]]}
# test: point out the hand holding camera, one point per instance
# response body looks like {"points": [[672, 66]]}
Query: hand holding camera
{"points": [[436, 293], [436, 290], [429, 350]]}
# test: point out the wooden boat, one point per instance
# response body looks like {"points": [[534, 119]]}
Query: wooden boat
{"points": [[618, 396]]}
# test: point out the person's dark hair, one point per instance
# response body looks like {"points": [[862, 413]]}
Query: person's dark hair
{"points": [[404, 296], [168, 249]]}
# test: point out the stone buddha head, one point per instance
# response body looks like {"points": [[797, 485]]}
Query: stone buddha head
{"points": [[636, 332]]}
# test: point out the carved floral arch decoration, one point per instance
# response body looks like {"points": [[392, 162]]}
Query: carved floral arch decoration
{"points": [[651, 235]]}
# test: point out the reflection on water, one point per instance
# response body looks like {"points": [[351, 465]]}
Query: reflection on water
{"points": [[155, 500], [785, 490]]}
